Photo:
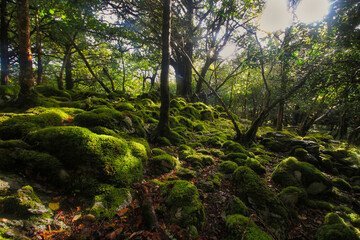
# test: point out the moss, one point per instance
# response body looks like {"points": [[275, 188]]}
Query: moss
{"points": [[227, 167], [110, 201], [354, 219], [335, 228], [157, 151], [190, 112], [238, 224], [184, 205], [163, 163], [300, 152], [316, 204], [163, 141], [292, 196], [236, 206], [233, 147], [8, 93], [291, 172], [199, 127], [186, 173], [236, 155], [177, 103], [20, 125], [124, 106], [255, 166], [216, 152], [49, 91], [109, 158], [206, 115], [185, 151], [254, 191], [196, 145], [112, 119], [65, 113], [23, 204], [341, 184], [199, 160], [214, 141]]}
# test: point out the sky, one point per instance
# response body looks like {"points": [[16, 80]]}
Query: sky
{"points": [[276, 15]]}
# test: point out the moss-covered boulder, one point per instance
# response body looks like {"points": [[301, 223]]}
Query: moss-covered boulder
{"points": [[236, 206], [49, 91], [335, 228], [237, 225], [293, 196], [109, 200], [104, 157], [190, 112], [18, 126], [23, 204], [112, 119], [228, 167], [233, 147], [254, 191], [8, 94], [341, 184], [163, 163], [291, 172], [183, 204]]}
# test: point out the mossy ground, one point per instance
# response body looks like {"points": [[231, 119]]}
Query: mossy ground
{"points": [[198, 181]]}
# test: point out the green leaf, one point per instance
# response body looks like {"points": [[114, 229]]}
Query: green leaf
{"points": [[51, 11]]}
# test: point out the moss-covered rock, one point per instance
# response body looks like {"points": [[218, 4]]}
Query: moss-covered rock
{"points": [[109, 200], [183, 202], [163, 163], [335, 228], [66, 114], [236, 206], [199, 160], [206, 115], [254, 191], [23, 204], [107, 158], [18, 126], [49, 91], [112, 119], [185, 173], [291, 172], [190, 112], [341, 184], [125, 106], [233, 147], [238, 224], [8, 94], [228, 167], [293, 196]]}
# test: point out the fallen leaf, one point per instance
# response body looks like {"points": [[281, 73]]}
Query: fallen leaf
{"points": [[54, 206], [122, 212], [114, 234]]}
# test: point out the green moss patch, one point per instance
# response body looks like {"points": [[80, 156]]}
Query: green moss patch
{"points": [[185, 207], [236, 206], [335, 228], [18, 126], [109, 201], [254, 191], [228, 167], [163, 163], [291, 172], [237, 225], [293, 196], [106, 157]]}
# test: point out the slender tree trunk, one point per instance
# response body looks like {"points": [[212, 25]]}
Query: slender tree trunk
{"points": [[25, 58], [69, 81], [124, 72], [163, 127], [60, 79], [4, 41], [106, 72], [39, 79]]}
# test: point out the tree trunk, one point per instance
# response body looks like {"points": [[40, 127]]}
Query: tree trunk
{"points": [[124, 71], [106, 72], [69, 81], [25, 58], [353, 135], [4, 41], [163, 127], [39, 79], [67, 55]]}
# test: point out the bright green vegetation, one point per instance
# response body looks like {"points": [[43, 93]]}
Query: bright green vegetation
{"points": [[291, 172], [238, 224], [183, 203], [163, 163], [109, 200], [335, 228], [105, 157]]}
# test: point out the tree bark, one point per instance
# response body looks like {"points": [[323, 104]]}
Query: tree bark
{"points": [[25, 58], [106, 72], [4, 41], [69, 81], [39, 79], [60, 79], [163, 126]]}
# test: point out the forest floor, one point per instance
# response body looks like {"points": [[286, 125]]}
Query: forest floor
{"points": [[323, 179]]}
